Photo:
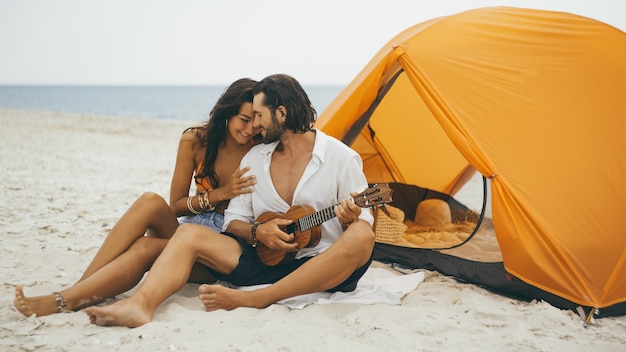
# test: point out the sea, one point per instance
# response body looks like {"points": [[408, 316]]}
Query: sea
{"points": [[192, 103], [150, 102]]}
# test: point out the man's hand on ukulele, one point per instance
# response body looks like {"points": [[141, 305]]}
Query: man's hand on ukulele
{"points": [[270, 234], [347, 212]]}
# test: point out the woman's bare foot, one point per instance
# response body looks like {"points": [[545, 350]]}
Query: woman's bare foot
{"points": [[122, 313], [216, 297], [38, 305]]}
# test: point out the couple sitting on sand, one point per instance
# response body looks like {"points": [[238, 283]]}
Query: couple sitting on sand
{"points": [[294, 164]]}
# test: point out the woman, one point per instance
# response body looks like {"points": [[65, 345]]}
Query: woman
{"points": [[212, 152]]}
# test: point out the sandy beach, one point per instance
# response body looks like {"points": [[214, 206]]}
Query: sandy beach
{"points": [[67, 178]]}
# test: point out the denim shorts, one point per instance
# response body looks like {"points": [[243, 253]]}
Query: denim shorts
{"points": [[211, 219]]}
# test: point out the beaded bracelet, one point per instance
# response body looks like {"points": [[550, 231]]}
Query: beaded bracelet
{"points": [[253, 239], [207, 201], [190, 206], [61, 305], [201, 202]]}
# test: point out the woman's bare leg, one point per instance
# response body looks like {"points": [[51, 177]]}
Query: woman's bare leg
{"points": [[149, 213], [120, 275], [169, 273]]}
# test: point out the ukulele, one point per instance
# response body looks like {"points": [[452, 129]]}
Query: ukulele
{"points": [[306, 221]]}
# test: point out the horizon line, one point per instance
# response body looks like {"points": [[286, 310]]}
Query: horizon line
{"points": [[145, 85]]}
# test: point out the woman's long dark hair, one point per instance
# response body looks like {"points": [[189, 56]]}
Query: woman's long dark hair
{"points": [[214, 131]]}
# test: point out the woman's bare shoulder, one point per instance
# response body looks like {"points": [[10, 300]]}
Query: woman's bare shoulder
{"points": [[191, 134]]}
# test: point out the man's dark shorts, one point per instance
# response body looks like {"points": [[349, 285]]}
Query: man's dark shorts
{"points": [[251, 271]]}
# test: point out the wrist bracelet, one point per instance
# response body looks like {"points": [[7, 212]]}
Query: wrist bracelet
{"points": [[253, 239], [209, 206], [201, 202], [190, 206]]}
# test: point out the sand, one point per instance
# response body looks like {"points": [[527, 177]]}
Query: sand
{"points": [[66, 179]]}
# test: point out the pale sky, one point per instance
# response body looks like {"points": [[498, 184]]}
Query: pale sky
{"points": [[195, 42]]}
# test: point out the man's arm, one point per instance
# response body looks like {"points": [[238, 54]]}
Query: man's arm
{"points": [[241, 229], [269, 233]]}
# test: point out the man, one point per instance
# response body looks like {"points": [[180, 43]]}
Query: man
{"points": [[295, 165]]}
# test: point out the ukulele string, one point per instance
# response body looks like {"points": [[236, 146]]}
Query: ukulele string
{"points": [[317, 218]]}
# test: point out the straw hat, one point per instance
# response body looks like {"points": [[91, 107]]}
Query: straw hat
{"points": [[433, 213]]}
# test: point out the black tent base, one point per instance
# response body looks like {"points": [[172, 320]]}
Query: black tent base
{"points": [[491, 276]]}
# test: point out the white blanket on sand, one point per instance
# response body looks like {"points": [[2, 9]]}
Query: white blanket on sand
{"points": [[376, 286]]}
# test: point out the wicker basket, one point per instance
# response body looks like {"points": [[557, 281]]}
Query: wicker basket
{"points": [[389, 225]]}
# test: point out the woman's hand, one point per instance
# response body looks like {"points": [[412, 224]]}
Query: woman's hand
{"points": [[238, 184]]}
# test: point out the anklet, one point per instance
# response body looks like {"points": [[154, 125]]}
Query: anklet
{"points": [[61, 306]]}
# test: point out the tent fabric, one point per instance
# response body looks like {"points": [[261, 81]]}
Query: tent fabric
{"points": [[470, 265], [531, 99]]}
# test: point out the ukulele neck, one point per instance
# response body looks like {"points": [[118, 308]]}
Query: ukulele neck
{"points": [[316, 219], [370, 198]]}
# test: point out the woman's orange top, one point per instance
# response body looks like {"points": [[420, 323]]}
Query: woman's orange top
{"points": [[202, 184]]}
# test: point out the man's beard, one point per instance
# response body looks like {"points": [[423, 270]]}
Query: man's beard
{"points": [[274, 131]]}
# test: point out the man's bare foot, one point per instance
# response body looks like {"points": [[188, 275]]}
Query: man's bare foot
{"points": [[122, 313], [38, 305], [216, 297]]}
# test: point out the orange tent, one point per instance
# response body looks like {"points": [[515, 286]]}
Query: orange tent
{"points": [[533, 100]]}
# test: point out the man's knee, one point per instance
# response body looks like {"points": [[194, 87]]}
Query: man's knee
{"points": [[362, 233], [358, 241], [188, 234]]}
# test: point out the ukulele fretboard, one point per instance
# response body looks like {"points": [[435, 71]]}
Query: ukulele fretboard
{"points": [[315, 219]]}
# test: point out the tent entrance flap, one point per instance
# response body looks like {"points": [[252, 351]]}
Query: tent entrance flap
{"points": [[360, 123]]}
